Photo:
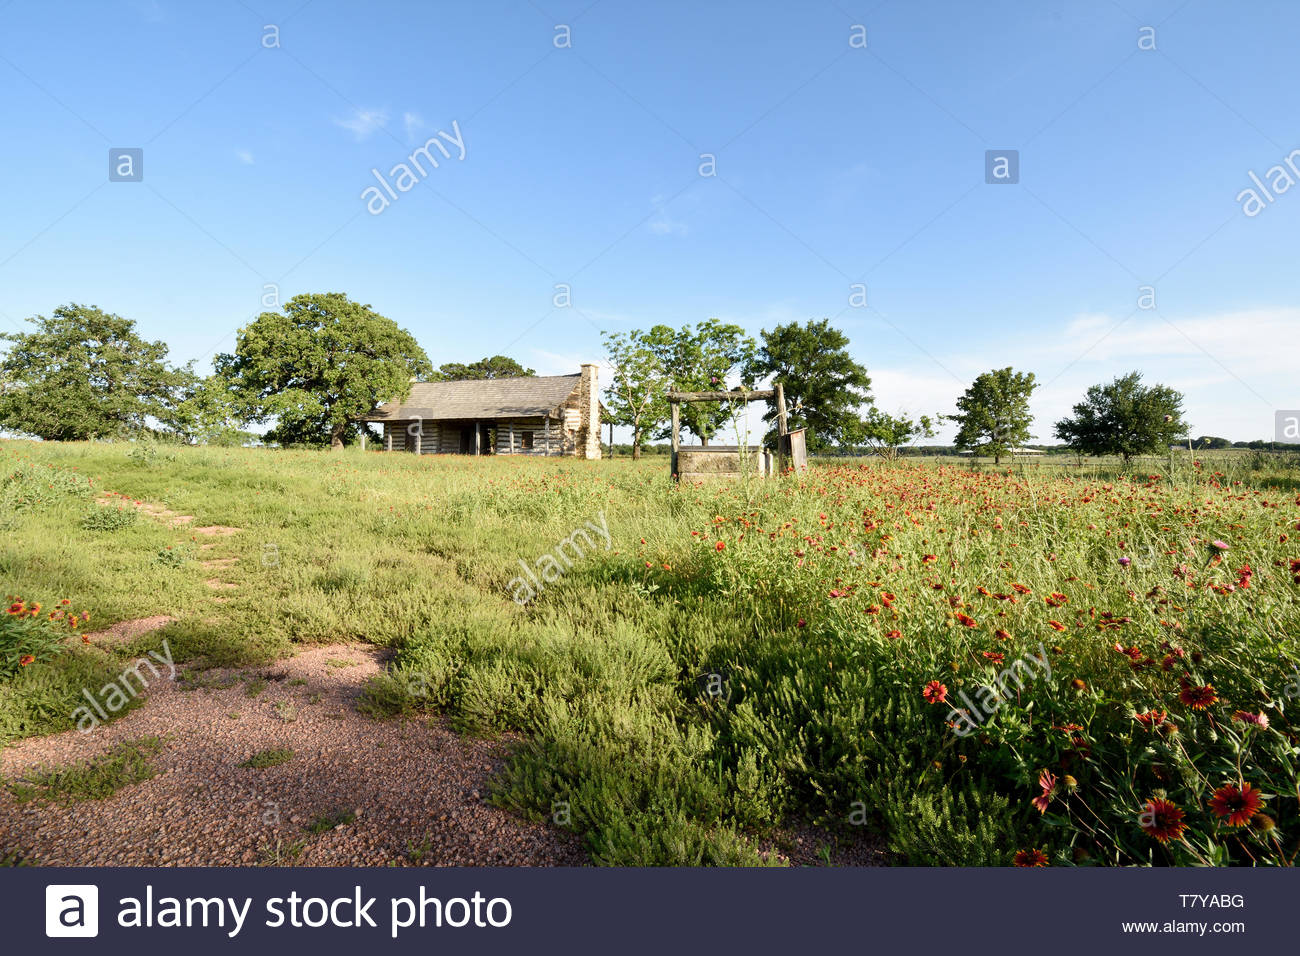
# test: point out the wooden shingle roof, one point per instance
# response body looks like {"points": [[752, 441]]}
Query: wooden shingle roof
{"points": [[480, 399]]}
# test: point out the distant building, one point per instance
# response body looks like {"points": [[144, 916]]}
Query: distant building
{"points": [[541, 415]]}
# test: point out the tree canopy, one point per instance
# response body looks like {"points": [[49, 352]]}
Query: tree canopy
{"points": [[993, 414], [885, 434], [635, 395], [85, 373], [699, 359], [824, 387], [497, 366], [1125, 418], [318, 366]]}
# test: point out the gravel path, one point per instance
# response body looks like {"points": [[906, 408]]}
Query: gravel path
{"points": [[417, 789]]}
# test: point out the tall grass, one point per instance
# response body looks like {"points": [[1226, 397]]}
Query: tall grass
{"points": [[745, 656]]}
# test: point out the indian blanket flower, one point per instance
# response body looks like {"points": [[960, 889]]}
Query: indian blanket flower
{"points": [[1162, 820], [1056, 625], [720, 546], [1150, 718], [1234, 804], [25, 660], [1030, 858], [1197, 698], [1046, 783], [966, 620], [934, 692]]}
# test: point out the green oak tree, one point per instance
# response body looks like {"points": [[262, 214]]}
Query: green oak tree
{"points": [[209, 414], [1125, 418], [701, 358], [824, 386], [496, 366], [635, 395], [993, 415], [317, 366], [886, 434], [84, 373]]}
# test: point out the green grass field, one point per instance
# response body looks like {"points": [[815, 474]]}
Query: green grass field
{"points": [[837, 649]]}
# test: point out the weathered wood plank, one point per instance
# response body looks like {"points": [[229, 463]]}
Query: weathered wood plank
{"points": [[755, 396]]}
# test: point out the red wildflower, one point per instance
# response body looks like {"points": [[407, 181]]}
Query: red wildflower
{"points": [[25, 660], [1151, 718], [993, 656], [1047, 783], [1021, 589], [966, 620], [1162, 820], [1056, 599], [1236, 803], [929, 559], [934, 692], [1197, 698], [1056, 625], [895, 634], [720, 546], [1002, 635], [1030, 858]]}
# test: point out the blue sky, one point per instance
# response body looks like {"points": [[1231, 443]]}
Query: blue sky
{"points": [[834, 165]]}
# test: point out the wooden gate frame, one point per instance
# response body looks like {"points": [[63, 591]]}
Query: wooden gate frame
{"points": [[759, 395]]}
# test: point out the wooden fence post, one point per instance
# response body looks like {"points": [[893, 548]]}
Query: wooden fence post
{"points": [[677, 440]]}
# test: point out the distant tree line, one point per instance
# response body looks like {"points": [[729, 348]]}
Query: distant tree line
{"points": [[309, 371]]}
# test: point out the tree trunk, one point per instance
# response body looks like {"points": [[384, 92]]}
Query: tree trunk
{"points": [[704, 441], [336, 438]]}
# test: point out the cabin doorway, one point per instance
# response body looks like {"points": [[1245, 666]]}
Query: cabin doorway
{"points": [[467, 436]]}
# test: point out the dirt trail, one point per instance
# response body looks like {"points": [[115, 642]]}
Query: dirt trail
{"points": [[417, 789]]}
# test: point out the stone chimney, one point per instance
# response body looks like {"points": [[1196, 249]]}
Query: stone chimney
{"points": [[589, 413]]}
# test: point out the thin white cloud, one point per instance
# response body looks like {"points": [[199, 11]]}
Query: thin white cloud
{"points": [[363, 122], [244, 156], [412, 123], [663, 224], [1233, 368]]}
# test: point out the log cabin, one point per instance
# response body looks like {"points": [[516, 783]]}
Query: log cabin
{"points": [[539, 415]]}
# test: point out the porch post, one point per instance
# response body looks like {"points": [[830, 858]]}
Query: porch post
{"points": [[478, 439], [388, 436]]}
